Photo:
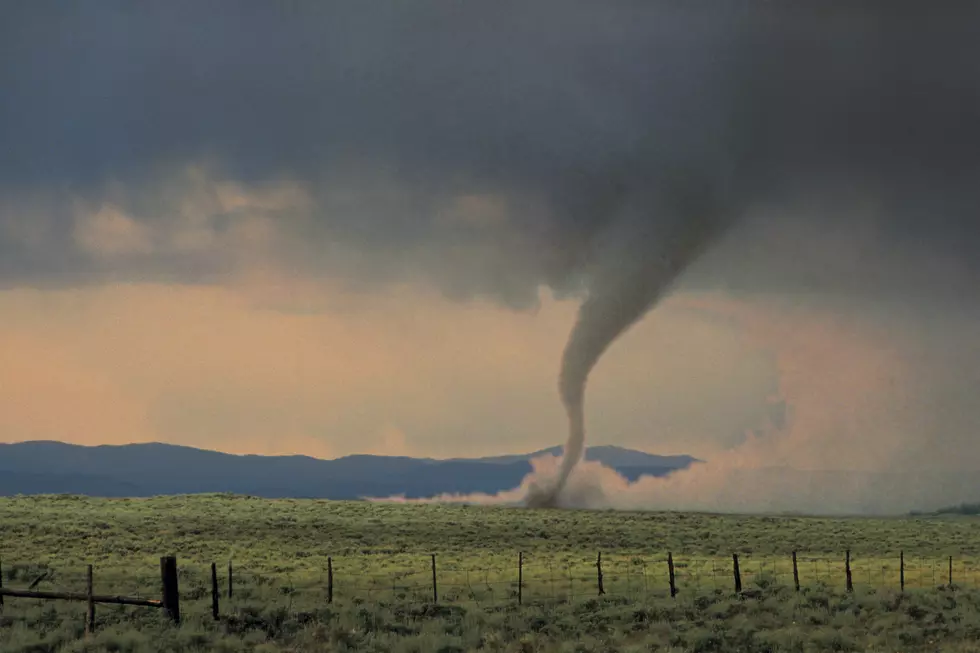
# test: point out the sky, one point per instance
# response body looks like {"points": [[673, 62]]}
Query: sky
{"points": [[334, 228], [407, 373]]}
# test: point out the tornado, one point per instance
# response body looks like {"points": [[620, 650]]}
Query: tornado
{"points": [[645, 252]]}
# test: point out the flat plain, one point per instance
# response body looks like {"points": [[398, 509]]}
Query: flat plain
{"points": [[381, 559]]}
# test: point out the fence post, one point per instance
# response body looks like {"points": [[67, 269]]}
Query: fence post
{"points": [[214, 591], [670, 572], [520, 578], [90, 594], [901, 569], [229, 580], [1, 585], [796, 573], [847, 571], [598, 566], [951, 572], [435, 588], [738, 574], [329, 580], [171, 592]]}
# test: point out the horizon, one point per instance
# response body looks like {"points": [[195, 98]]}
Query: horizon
{"points": [[543, 452], [153, 473]]}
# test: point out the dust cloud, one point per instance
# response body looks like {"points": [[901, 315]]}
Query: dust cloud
{"points": [[850, 443]]}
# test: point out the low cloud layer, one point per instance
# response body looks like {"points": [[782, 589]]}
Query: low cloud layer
{"points": [[483, 148]]}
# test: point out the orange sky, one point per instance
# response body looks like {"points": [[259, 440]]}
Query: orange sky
{"points": [[400, 372]]}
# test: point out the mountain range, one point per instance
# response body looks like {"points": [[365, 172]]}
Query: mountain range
{"points": [[137, 470]]}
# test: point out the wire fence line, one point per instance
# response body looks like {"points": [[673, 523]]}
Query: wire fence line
{"points": [[524, 579], [536, 578]]}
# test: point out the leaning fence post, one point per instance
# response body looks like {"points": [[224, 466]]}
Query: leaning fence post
{"points": [[670, 572], [435, 588], [951, 572], [796, 573], [214, 591], [90, 595], [520, 578], [738, 574], [329, 580], [847, 571], [171, 592], [598, 566], [229, 580], [901, 569]]}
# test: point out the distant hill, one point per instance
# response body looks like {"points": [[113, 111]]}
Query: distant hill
{"points": [[44, 467], [611, 456]]}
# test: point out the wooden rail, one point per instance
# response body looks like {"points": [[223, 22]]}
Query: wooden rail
{"points": [[170, 601], [81, 596]]}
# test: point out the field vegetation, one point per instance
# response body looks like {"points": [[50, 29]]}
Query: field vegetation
{"points": [[383, 594]]}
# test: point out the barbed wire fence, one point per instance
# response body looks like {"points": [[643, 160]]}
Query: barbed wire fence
{"points": [[522, 579]]}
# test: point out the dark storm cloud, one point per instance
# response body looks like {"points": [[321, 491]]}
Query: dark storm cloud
{"points": [[385, 112]]}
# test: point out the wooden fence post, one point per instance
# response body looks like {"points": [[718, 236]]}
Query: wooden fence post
{"points": [[847, 571], [520, 578], [214, 591], [435, 587], [229, 580], [796, 573], [738, 574], [89, 589], [901, 569], [598, 566], [670, 572], [1, 585], [329, 580], [171, 591], [950, 572]]}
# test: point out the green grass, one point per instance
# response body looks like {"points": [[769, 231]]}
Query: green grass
{"points": [[383, 579]]}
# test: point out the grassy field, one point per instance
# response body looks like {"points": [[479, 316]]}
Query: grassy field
{"points": [[383, 599]]}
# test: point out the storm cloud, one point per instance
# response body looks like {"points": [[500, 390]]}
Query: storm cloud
{"points": [[486, 147]]}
